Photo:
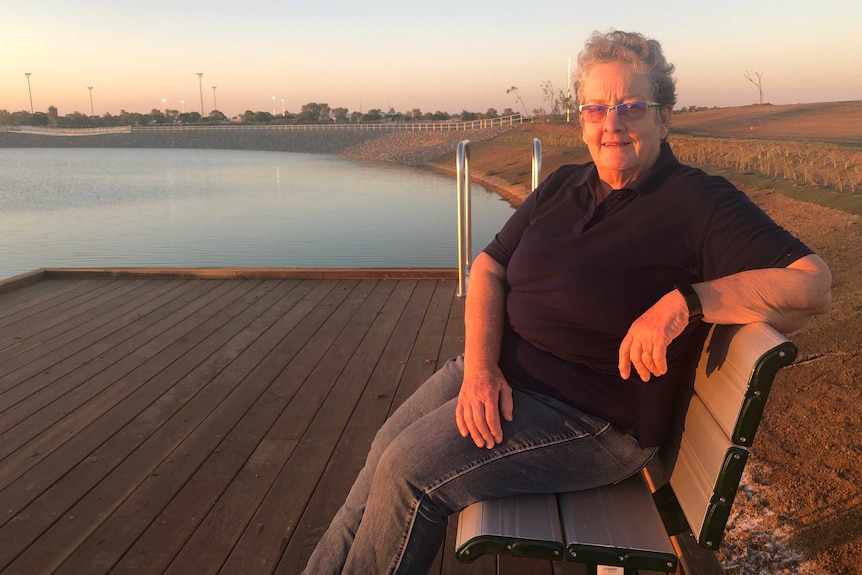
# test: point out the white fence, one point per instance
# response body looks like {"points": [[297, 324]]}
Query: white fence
{"points": [[506, 121], [361, 126]]}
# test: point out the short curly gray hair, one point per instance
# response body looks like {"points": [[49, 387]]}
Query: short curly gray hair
{"points": [[643, 54]]}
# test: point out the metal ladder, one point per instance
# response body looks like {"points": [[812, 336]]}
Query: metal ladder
{"points": [[462, 188]]}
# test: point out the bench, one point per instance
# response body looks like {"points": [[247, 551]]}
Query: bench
{"points": [[623, 528]]}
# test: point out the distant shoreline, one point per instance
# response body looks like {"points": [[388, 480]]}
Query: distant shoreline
{"points": [[411, 148]]}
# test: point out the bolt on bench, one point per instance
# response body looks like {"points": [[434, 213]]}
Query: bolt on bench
{"points": [[622, 528]]}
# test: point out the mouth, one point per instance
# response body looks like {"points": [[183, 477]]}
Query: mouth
{"points": [[615, 144]]}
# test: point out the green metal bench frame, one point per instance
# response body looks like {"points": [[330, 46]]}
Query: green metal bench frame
{"points": [[622, 528]]}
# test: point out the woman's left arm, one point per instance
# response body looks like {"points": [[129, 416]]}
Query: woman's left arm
{"points": [[786, 298]]}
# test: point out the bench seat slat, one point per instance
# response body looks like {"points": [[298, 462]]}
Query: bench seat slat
{"points": [[616, 525], [524, 525]]}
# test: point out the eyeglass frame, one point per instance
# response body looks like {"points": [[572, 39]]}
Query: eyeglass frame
{"points": [[624, 105]]}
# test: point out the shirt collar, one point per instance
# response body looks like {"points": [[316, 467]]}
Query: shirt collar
{"points": [[666, 163]]}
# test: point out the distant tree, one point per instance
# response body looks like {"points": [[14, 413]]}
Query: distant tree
{"points": [[416, 114], [40, 119], [518, 98], [469, 116], [491, 113], [373, 115], [440, 116], [156, 116], [551, 98], [133, 118], [263, 117], [189, 117], [507, 112], [567, 103], [74, 120], [758, 83], [53, 115], [356, 117], [217, 116], [340, 114], [312, 113]]}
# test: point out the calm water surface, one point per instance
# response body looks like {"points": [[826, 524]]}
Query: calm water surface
{"points": [[71, 207]]}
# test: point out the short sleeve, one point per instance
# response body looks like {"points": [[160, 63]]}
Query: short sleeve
{"points": [[740, 236]]}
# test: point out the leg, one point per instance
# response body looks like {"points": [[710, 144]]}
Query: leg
{"points": [[331, 552], [429, 471]]}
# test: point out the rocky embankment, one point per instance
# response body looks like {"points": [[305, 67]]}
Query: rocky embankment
{"points": [[411, 148]]}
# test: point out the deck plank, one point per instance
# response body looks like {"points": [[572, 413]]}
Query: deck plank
{"points": [[201, 423]]}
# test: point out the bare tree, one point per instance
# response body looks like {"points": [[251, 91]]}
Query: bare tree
{"points": [[519, 99], [758, 83]]}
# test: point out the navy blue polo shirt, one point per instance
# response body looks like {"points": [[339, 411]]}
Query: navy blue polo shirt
{"points": [[578, 275]]}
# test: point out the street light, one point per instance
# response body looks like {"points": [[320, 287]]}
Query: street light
{"points": [[273, 105], [29, 91], [201, 88], [282, 107], [215, 106], [92, 113], [165, 104], [182, 106]]}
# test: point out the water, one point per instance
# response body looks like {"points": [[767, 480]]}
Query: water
{"points": [[73, 207]]}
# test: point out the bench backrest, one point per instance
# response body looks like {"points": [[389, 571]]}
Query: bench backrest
{"points": [[734, 375]]}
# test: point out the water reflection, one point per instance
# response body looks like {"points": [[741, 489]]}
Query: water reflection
{"points": [[211, 208]]}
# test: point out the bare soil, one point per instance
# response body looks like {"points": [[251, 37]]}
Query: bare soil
{"points": [[799, 510]]}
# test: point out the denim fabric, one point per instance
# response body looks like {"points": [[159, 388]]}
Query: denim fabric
{"points": [[420, 470]]}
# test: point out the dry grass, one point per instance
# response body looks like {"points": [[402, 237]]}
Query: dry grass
{"points": [[805, 163]]}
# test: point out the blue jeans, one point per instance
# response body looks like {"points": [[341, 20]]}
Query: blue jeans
{"points": [[420, 470]]}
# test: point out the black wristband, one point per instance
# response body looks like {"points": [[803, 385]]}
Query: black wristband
{"points": [[695, 310]]}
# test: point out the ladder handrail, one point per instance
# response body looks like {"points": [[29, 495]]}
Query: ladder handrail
{"points": [[462, 186], [462, 189], [537, 162]]}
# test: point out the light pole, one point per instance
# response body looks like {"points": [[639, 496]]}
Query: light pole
{"points": [[282, 107], [273, 105], [201, 88], [215, 106], [29, 91], [165, 104], [92, 113]]}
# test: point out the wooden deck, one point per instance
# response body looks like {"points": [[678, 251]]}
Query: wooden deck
{"points": [[203, 423]]}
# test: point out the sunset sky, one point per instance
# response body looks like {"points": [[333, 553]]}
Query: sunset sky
{"points": [[441, 55]]}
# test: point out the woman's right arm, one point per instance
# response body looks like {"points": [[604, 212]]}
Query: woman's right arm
{"points": [[485, 395]]}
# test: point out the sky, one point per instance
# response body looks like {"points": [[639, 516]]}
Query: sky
{"points": [[267, 55]]}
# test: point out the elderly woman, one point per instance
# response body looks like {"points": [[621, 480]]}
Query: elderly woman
{"points": [[576, 322]]}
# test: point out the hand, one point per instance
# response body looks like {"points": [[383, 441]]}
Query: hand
{"points": [[485, 395], [645, 344]]}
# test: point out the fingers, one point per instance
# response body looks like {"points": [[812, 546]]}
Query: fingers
{"points": [[480, 424], [480, 420], [648, 359]]}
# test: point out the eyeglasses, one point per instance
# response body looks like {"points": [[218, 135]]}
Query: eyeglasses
{"points": [[628, 111]]}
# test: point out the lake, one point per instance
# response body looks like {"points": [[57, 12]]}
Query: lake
{"points": [[94, 207]]}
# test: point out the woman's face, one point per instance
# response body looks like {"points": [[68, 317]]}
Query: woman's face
{"points": [[622, 149]]}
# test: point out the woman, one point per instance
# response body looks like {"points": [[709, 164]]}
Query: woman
{"points": [[576, 324]]}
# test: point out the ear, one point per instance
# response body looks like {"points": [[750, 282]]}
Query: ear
{"points": [[665, 115]]}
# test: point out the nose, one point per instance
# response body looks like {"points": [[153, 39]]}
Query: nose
{"points": [[613, 121]]}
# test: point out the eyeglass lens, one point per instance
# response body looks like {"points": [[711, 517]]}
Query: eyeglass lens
{"points": [[629, 111]]}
